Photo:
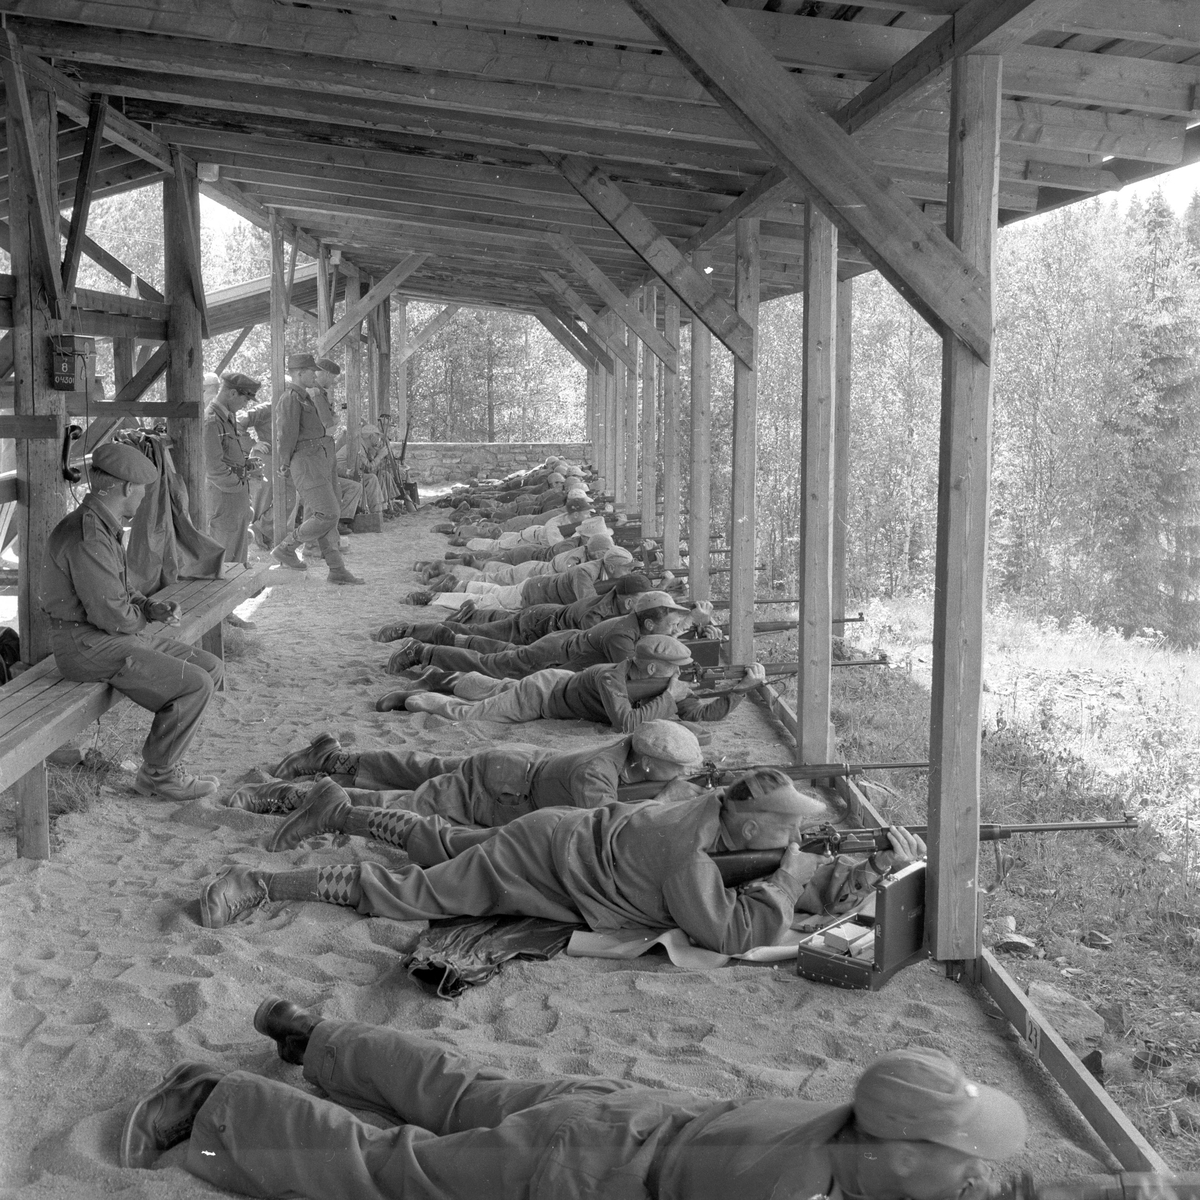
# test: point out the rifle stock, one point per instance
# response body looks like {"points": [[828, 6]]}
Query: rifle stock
{"points": [[713, 776]]}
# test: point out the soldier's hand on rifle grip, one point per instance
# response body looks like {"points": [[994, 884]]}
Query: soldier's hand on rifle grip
{"points": [[797, 868], [906, 848], [755, 674]]}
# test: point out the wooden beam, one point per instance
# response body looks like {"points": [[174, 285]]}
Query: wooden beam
{"points": [[745, 454], [146, 376], [279, 315], [42, 212], [672, 481], [356, 313], [235, 346], [629, 424], [960, 571], [649, 421], [700, 463], [914, 256], [658, 253], [1123, 1140], [563, 336], [979, 26], [608, 291], [841, 442], [381, 401], [93, 142], [597, 349], [615, 337], [184, 410], [428, 331], [813, 741], [571, 298], [354, 371], [184, 348], [400, 405], [30, 428], [776, 185], [113, 265]]}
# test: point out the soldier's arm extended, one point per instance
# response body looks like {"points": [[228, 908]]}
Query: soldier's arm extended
{"points": [[730, 922], [714, 709], [621, 713], [97, 575]]}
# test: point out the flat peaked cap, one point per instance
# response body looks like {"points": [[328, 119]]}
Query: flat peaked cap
{"points": [[237, 382], [658, 647], [124, 462], [301, 362], [668, 741], [578, 504], [328, 366]]}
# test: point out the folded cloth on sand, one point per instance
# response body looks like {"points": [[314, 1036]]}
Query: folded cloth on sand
{"points": [[464, 952], [681, 950]]}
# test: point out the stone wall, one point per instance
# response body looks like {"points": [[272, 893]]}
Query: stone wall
{"points": [[460, 462]]}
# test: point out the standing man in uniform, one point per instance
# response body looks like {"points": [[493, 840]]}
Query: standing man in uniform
{"points": [[229, 468], [99, 623], [258, 418], [305, 453], [349, 491]]}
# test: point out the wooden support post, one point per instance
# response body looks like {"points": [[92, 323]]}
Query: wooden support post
{"points": [[951, 896], [649, 469], [185, 368], [43, 494], [92, 145], [814, 738], [383, 387], [630, 426], [324, 302], [372, 394], [33, 813], [590, 421], [400, 404], [700, 460], [672, 483], [279, 315], [213, 641], [616, 411], [841, 443], [745, 449], [354, 372]]}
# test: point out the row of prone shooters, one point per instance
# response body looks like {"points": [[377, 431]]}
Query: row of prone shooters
{"points": [[510, 832]]}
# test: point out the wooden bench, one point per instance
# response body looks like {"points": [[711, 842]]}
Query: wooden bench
{"points": [[40, 710]]}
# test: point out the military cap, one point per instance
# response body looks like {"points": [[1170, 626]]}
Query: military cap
{"points": [[124, 462], [617, 556], [658, 647], [370, 427], [555, 477], [328, 366], [211, 380], [598, 545], [578, 504], [301, 362], [237, 382], [649, 600], [574, 471], [920, 1095], [668, 741]]}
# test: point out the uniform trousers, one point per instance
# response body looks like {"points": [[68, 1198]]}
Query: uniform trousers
{"points": [[229, 520], [311, 470], [490, 788], [173, 680], [350, 492], [372, 493], [262, 502], [459, 1131], [508, 701], [507, 662]]}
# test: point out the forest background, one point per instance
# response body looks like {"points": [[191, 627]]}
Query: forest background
{"points": [[1096, 468]]}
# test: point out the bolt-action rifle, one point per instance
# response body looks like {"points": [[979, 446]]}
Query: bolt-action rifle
{"points": [[405, 490], [1127, 1185], [713, 776], [698, 674], [742, 866]]}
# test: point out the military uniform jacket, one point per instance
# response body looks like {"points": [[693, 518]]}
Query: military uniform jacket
{"points": [[564, 587], [84, 575], [299, 421], [224, 451], [585, 779]]}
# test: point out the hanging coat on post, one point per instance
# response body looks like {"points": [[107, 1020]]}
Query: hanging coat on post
{"points": [[164, 545]]}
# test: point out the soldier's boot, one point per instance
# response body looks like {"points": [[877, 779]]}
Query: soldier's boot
{"points": [[432, 679], [408, 653], [288, 1024], [268, 799], [315, 759], [164, 1117], [285, 554], [172, 783], [337, 569], [324, 811], [393, 632]]}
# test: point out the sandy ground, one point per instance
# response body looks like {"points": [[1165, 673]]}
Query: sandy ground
{"points": [[109, 979]]}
